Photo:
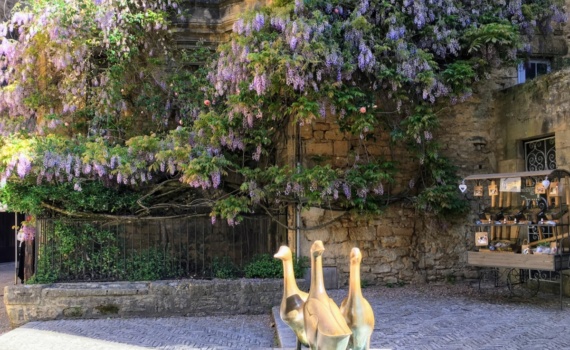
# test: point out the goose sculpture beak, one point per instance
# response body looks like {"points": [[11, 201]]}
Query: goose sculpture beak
{"points": [[355, 256], [283, 253], [317, 249]]}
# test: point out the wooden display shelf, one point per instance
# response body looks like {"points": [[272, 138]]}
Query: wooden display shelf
{"points": [[522, 261]]}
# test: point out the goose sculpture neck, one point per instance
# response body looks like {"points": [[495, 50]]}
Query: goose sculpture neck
{"points": [[289, 284], [317, 280], [355, 289]]}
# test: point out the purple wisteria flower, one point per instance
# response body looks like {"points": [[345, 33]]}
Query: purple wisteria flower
{"points": [[259, 84], [257, 154], [346, 190], [216, 179], [24, 166], [258, 22], [378, 189]]}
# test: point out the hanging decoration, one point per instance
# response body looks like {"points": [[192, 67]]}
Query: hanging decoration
{"points": [[463, 186]]}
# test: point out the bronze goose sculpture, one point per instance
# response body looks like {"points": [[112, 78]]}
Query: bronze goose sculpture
{"points": [[291, 309], [356, 310], [325, 326]]}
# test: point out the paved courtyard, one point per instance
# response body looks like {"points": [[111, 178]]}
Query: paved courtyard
{"points": [[6, 278], [410, 317]]}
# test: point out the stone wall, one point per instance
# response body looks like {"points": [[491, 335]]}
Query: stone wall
{"points": [[482, 135], [537, 108], [397, 246], [322, 142], [26, 303], [210, 21], [504, 120]]}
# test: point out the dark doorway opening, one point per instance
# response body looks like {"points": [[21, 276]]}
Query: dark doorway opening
{"points": [[7, 239]]}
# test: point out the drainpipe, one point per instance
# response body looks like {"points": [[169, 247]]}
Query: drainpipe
{"points": [[15, 248], [298, 204], [298, 230]]}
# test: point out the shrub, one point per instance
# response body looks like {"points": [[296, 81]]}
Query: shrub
{"points": [[77, 252], [85, 252], [149, 265], [224, 268], [266, 266]]}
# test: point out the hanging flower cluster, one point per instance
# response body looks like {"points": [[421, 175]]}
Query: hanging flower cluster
{"points": [[28, 230], [82, 49]]}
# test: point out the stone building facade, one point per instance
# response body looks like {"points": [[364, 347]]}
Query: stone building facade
{"points": [[481, 135]]}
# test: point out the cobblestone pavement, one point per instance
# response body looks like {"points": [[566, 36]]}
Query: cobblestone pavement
{"points": [[418, 317], [180, 333], [459, 317], [6, 278]]}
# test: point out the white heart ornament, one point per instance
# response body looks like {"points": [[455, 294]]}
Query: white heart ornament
{"points": [[463, 188]]}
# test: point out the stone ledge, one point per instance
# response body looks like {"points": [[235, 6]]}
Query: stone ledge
{"points": [[26, 303], [71, 290]]}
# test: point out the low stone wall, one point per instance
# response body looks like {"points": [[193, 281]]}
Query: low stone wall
{"points": [[25, 303]]}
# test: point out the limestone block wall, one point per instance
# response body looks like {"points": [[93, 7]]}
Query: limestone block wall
{"points": [[468, 133], [540, 107], [505, 119], [210, 21], [396, 246], [26, 303], [322, 142]]}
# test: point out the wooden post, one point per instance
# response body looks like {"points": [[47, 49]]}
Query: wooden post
{"points": [[558, 184], [500, 199], [493, 197], [515, 230], [29, 260], [567, 189], [509, 229]]}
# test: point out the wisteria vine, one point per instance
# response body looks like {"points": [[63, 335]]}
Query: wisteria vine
{"points": [[92, 91]]}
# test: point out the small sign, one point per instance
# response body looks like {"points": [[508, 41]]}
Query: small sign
{"points": [[481, 239], [493, 190], [554, 189], [539, 188], [553, 247], [478, 191], [511, 184]]}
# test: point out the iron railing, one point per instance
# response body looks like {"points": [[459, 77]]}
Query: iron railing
{"points": [[78, 250], [540, 154]]}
